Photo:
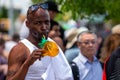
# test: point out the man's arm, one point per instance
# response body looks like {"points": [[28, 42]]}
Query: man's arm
{"points": [[17, 64], [19, 61]]}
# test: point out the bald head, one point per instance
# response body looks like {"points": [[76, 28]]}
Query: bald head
{"points": [[38, 13], [37, 9]]}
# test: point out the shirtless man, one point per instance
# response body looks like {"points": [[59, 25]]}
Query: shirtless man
{"points": [[25, 60]]}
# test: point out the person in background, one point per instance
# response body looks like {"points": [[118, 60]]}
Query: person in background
{"points": [[72, 49], [24, 31], [53, 10], [112, 72], [111, 43], [3, 61], [26, 60], [100, 41], [112, 67], [56, 30], [88, 65], [18, 23], [55, 35], [11, 43]]}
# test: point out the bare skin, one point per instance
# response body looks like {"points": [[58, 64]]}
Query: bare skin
{"points": [[20, 58]]}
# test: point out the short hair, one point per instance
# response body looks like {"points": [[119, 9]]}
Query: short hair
{"points": [[85, 32]]}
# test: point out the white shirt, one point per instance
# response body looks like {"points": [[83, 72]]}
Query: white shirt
{"points": [[48, 68], [88, 70]]}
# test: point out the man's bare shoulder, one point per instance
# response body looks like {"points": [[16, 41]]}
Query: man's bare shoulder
{"points": [[20, 51], [17, 57]]}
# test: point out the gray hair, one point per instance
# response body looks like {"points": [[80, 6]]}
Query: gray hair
{"points": [[85, 32]]}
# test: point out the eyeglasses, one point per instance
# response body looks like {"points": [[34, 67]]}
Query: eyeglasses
{"points": [[88, 42], [37, 6]]}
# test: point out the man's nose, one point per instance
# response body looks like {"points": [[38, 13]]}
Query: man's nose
{"points": [[44, 26]]}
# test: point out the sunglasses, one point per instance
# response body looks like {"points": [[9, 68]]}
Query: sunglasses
{"points": [[37, 6]]}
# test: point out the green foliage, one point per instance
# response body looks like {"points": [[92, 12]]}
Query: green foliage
{"points": [[113, 10], [3, 12], [81, 8], [37, 1]]}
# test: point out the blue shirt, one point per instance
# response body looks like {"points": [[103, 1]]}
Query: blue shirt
{"points": [[88, 70], [70, 54]]}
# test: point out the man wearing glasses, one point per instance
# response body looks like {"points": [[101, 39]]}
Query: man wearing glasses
{"points": [[88, 65], [26, 61]]}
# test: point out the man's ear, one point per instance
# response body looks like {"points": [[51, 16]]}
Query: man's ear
{"points": [[27, 23]]}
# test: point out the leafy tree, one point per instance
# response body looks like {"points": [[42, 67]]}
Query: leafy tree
{"points": [[3, 12], [113, 10], [80, 7], [83, 8]]}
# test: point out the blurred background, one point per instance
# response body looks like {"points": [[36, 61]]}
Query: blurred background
{"points": [[12, 14], [97, 15]]}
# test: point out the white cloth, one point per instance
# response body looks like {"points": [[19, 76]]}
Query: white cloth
{"points": [[9, 45], [24, 31], [48, 68]]}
